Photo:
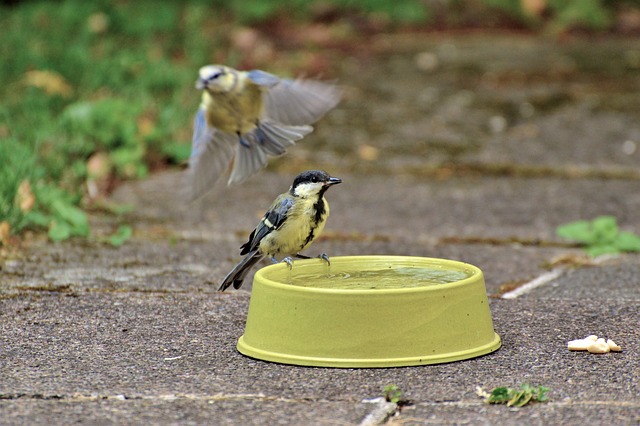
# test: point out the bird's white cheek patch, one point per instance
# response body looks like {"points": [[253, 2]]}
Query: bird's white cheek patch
{"points": [[308, 189]]}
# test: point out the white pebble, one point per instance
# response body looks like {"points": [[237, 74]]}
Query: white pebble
{"points": [[613, 346], [579, 345], [599, 347], [591, 337]]}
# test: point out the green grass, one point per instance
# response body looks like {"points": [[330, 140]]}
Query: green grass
{"points": [[79, 78]]}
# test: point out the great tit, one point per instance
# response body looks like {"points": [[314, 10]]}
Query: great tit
{"points": [[292, 222], [244, 116]]}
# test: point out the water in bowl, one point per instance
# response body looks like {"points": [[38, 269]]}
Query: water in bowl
{"points": [[388, 278]]}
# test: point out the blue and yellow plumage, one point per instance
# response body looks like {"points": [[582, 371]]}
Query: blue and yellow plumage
{"points": [[245, 117]]}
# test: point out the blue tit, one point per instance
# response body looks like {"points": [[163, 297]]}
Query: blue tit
{"points": [[246, 116], [292, 222]]}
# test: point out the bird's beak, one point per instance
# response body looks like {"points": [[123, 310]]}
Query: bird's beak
{"points": [[333, 181], [201, 84]]}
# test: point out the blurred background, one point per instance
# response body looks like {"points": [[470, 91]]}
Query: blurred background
{"points": [[95, 93]]}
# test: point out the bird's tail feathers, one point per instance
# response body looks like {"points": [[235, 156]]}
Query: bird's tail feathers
{"points": [[240, 271]]}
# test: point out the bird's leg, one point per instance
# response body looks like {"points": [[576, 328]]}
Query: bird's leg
{"points": [[325, 257], [289, 261]]}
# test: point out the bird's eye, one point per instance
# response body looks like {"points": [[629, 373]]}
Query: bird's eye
{"points": [[314, 179], [214, 76]]}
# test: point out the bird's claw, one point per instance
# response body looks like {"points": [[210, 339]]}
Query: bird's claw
{"points": [[325, 257], [289, 261]]}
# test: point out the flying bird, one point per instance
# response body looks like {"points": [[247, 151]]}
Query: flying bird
{"points": [[245, 117]]}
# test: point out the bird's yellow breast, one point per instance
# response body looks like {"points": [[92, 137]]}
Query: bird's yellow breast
{"points": [[298, 231], [236, 110]]}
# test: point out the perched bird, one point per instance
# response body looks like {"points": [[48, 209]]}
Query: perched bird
{"points": [[292, 222], [245, 116]]}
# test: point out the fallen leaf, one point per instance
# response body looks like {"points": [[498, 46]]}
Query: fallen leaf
{"points": [[5, 232], [24, 196], [49, 81]]}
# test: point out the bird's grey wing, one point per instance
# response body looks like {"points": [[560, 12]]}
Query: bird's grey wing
{"points": [[211, 153], [272, 220], [266, 138], [249, 159], [262, 78], [275, 138], [300, 102]]}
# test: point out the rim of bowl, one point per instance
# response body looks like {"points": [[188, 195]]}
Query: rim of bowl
{"points": [[392, 258]]}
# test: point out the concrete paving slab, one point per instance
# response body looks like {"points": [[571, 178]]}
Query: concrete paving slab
{"points": [[396, 207], [616, 282], [199, 266], [138, 350], [184, 410], [488, 100]]}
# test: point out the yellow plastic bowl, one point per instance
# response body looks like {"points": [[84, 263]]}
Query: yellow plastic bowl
{"points": [[362, 318]]}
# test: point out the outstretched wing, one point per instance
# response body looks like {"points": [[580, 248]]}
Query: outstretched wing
{"points": [[262, 78], [248, 160], [299, 102], [272, 220], [211, 153], [295, 102], [266, 138]]}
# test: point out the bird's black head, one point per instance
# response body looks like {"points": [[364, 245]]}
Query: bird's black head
{"points": [[312, 183]]}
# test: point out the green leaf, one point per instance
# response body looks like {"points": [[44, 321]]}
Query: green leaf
{"points": [[121, 236], [600, 236], [72, 215], [59, 231], [579, 231], [628, 241], [37, 218], [392, 393], [518, 397], [600, 249], [499, 395], [605, 228], [542, 394]]}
